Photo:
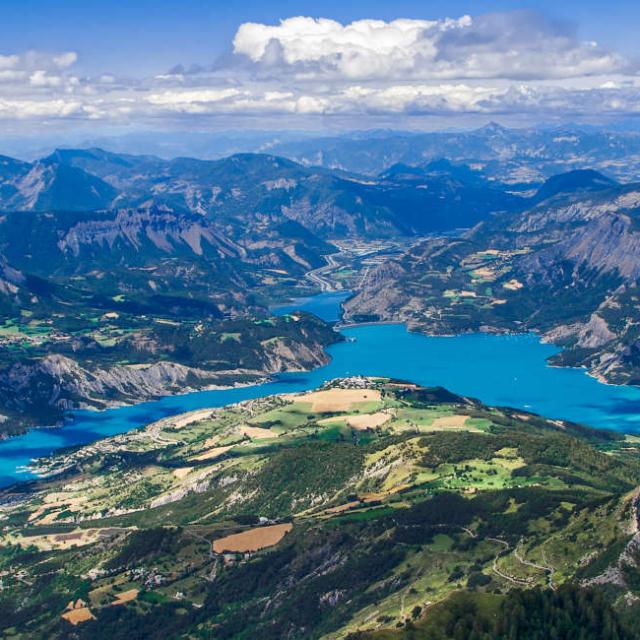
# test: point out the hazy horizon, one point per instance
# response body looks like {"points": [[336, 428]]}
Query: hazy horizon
{"points": [[195, 66], [211, 144]]}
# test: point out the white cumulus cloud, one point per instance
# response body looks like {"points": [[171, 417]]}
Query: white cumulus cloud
{"points": [[515, 45], [26, 109], [514, 63], [65, 59], [203, 96]]}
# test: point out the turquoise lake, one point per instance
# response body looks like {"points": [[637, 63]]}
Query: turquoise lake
{"points": [[499, 370]]}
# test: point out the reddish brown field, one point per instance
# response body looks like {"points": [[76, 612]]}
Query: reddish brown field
{"points": [[125, 596], [252, 539], [76, 616]]}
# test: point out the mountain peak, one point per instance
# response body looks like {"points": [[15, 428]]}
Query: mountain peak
{"points": [[493, 127], [576, 181]]}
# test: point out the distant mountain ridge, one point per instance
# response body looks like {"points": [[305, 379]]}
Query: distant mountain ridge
{"points": [[516, 156], [574, 182], [415, 198], [148, 252], [47, 184], [243, 188]]}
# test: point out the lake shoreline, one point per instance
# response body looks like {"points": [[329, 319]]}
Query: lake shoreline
{"points": [[500, 370]]}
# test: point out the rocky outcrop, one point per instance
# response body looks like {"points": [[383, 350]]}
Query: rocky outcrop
{"points": [[163, 228], [568, 267], [283, 354], [592, 334], [61, 382], [40, 391], [49, 184], [379, 297]]}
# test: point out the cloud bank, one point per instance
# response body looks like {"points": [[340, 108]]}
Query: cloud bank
{"points": [[520, 46], [505, 63]]}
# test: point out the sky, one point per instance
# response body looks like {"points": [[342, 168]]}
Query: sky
{"points": [[69, 65]]}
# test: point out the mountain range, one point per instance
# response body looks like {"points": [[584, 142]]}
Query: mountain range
{"points": [[369, 509], [567, 267], [93, 244], [517, 156], [246, 188]]}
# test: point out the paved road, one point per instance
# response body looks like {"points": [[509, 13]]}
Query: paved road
{"points": [[317, 276]]}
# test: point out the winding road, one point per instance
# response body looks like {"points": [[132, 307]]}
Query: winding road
{"points": [[317, 275], [548, 570]]}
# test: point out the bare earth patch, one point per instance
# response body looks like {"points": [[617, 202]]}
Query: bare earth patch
{"points": [[48, 542], [181, 473], [257, 433], [450, 421], [368, 420], [339, 399], [513, 285], [381, 495], [180, 421], [186, 419], [211, 442], [50, 518], [212, 453], [76, 616], [342, 507], [125, 596], [485, 273], [253, 539]]}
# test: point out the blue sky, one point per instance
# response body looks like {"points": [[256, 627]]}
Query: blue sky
{"points": [[153, 35], [168, 64]]}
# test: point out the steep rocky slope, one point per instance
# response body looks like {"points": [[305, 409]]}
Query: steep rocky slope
{"points": [[124, 305], [49, 184], [568, 267], [151, 252], [146, 360]]}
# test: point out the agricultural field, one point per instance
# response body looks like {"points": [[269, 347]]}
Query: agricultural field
{"points": [[369, 506]]}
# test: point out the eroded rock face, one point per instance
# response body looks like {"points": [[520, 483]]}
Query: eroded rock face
{"points": [[62, 382], [380, 297], [289, 355], [152, 258], [164, 229], [10, 280], [48, 183], [40, 392], [568, 267], [589, 335]]}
